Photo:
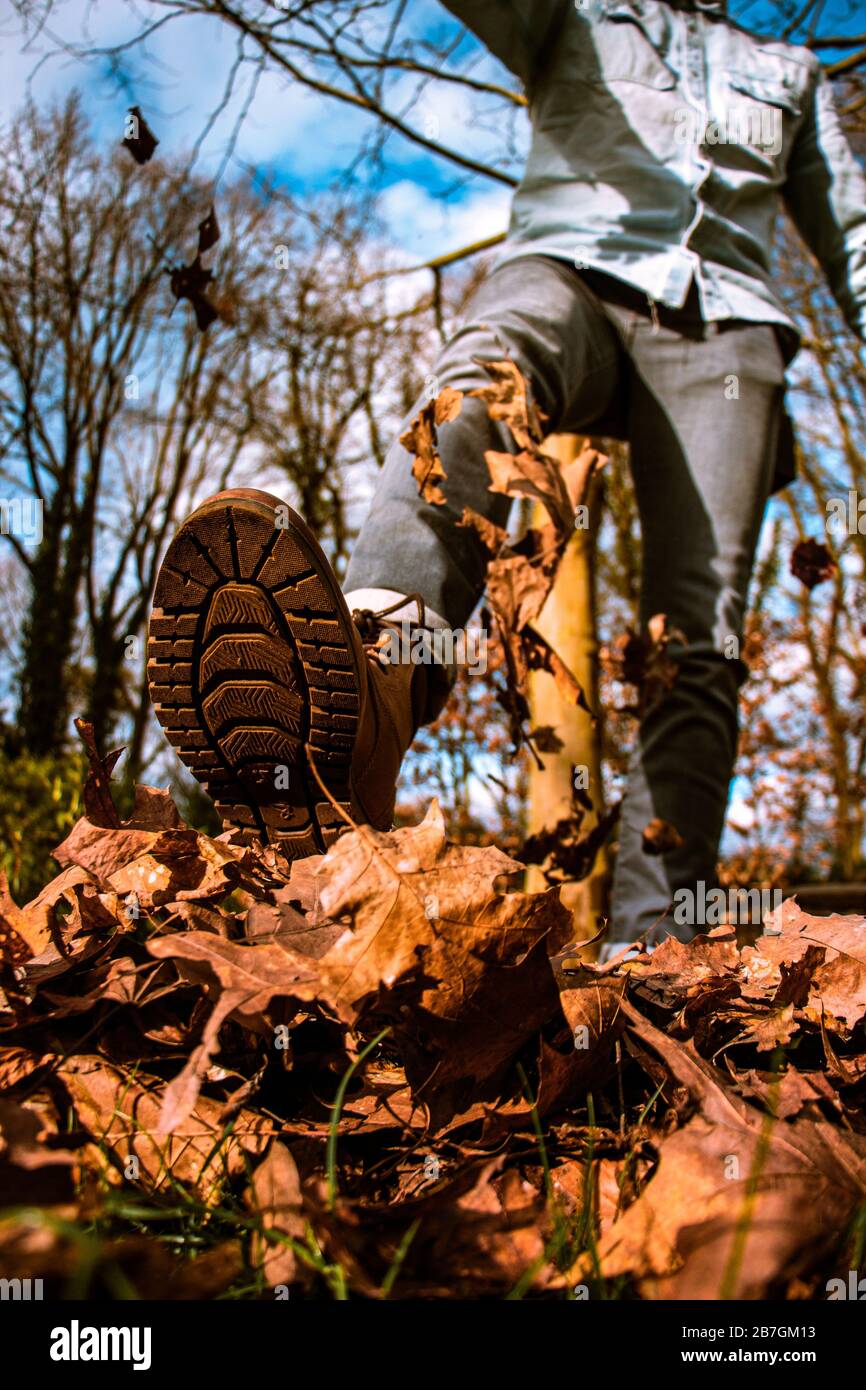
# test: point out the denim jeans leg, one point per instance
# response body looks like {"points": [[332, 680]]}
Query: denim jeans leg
{"points": [[537, 312], [703, 422]]}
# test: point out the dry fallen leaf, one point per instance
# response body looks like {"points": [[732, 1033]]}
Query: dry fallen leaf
{"points": [[121, 1113], [421, 440], [739, 1203], [275, 1199], [462, 965]]}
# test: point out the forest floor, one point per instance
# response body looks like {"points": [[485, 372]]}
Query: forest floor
{"points": [[379, 1073]]}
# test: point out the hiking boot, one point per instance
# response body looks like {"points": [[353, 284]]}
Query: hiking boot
{"points": [[265, 686]]}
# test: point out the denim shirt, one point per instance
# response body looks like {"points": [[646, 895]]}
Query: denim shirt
{"points": [[662, 133]]}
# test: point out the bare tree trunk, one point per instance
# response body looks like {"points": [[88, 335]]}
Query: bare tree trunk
{"points": [[569, 622]]}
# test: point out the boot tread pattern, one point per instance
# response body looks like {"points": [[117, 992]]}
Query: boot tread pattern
{"points": [[249, 661]]}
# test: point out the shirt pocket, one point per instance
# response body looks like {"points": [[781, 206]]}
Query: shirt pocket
{"points": [[768, 89], [762, 105], [613, 56], [622, 47]]}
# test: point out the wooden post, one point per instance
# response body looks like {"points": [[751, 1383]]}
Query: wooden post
{"points": [[569, 622]]}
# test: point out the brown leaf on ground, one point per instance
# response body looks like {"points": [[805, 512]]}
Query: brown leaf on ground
{"points": [[784, 1096], [676, 972], [837, 983], [99, 804], [281, 919], [181, 1094], [71, 904], [462, 965], [275, 1200], [17, 1064], [121, 1112], [479, 1232], [252, 973], [738, 1203], [181, 865], [153, 809], [154, 866], [15, 948], [708, 1173], [23, 1131], [771, 1030]]}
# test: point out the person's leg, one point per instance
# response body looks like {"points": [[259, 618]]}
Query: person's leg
{"points": [[267, 684], [703, 423], [536, 311]]}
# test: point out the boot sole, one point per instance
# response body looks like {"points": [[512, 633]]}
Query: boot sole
{"points": [[252, 670]]}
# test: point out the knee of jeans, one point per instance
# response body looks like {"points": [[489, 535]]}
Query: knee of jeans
{"points": [[459, 364]]}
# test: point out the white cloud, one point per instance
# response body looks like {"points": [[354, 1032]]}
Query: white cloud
{"points": [[424, 225]]}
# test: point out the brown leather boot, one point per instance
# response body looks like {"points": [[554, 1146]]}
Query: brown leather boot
{"points": [[263, 683]]}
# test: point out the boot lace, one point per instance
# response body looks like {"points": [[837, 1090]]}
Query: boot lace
{"points": [[373, 626]]}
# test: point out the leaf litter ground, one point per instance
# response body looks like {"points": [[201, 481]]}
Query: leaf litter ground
{"points": [[382, 1072]]}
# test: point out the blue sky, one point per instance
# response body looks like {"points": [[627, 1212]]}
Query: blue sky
{"points": [[301, 138]]}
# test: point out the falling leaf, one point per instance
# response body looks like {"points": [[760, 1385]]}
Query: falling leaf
{"points": [[208, 232], [536, 475], [811, 562], [493, 537], [191, 282], [141, 141], [546, 739], [421, 440], [643, 661], [540, 656], [660, 837], [508, 398]]}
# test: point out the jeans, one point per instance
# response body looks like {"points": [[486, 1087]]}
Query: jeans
{"points": [[700, 405]]}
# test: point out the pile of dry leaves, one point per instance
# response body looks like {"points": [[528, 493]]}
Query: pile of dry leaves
{"points": [[381, 1072]]}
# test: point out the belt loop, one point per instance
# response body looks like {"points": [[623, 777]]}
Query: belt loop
{"points": [[654, 315]]}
